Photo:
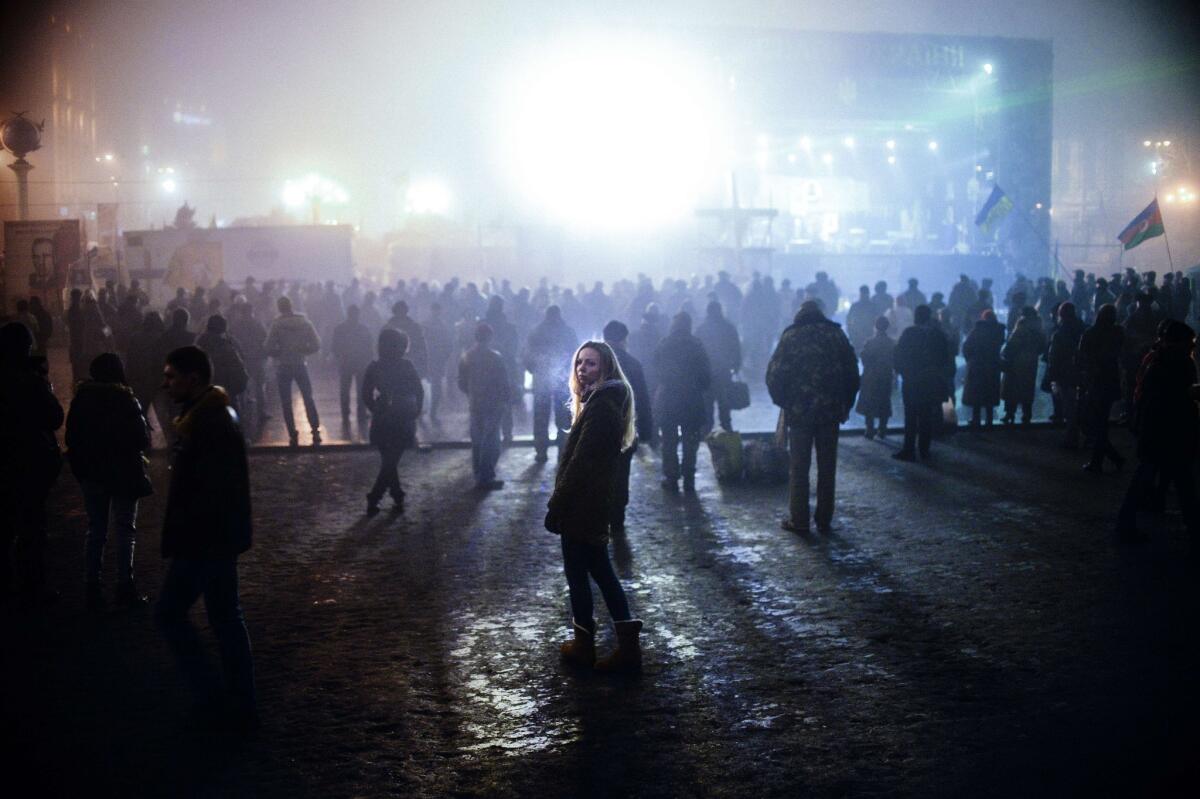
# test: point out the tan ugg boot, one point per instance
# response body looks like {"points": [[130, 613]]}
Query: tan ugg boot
{"points": [[627, 657], [581, 651]]}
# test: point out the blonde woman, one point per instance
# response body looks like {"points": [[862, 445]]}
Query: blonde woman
{"points": [[602, 426]]}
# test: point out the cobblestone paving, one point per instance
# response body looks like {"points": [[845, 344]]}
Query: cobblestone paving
{"points": [[969, 628]]}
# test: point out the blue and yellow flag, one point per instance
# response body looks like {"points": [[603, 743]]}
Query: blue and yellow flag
{"points": [[996, 208]]}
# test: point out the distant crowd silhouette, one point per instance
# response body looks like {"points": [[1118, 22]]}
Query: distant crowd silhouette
{"points": [[608, 369]]}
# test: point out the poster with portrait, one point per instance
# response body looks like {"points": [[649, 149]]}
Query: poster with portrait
{"points": [[37, 258]]}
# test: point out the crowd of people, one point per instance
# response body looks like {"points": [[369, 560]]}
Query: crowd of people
{"points": [[608, 369]]}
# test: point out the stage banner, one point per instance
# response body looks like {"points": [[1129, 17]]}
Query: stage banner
{"points": [[37, 258]]}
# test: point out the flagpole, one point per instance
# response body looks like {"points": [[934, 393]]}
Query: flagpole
{"points": [[1046, 243], [1166, 240]]}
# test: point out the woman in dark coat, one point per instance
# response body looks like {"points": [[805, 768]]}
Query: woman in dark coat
{"points": [[602, 426], [1020, 358], [106, 434], [981, 349], [393, 393], [878, 379]]}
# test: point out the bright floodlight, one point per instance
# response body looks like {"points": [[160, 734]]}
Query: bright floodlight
{"points": [[169, 186], [805, 143], [987, 68], [313, 187], [619, 131], [848, 142], [933, 145], [891, 144], [891, 159], [427, 196], [827, 158]]}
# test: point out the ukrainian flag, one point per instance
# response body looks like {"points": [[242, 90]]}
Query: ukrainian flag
{"points": [[996, 208]]}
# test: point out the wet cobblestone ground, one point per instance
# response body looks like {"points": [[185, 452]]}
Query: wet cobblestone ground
{"points": [[969, 628]]}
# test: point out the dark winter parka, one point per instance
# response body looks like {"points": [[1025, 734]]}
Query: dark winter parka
{"points": [[813, 373], [683, 375], [1025, 346], [579, 505], [1165, 416], [923, 362], [392, 391], [208, 501], [106, 434], [1060, 357], [982, 352]]}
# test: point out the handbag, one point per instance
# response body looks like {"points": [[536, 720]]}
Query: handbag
{"points": [[739, 395]]}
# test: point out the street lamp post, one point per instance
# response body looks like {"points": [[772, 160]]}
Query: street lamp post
{"points": [[21, 137]]}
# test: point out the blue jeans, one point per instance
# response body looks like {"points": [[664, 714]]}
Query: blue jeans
{"points": [[285, 373], [485, 443], [581, 560], [547, 402], [187, 579], [99, 503]]}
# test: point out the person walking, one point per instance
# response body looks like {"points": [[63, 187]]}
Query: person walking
{"points": [[813, 377], [29, 462], [548, 358], [352, 353], [1166, 423], [724, 350], [291, 339], [483, 377], [602, 427], [683, 376], [206, 527], [616, 334], [878, 379], [106, 435], [393, 393], [981, 349], [922, 358], [1020, 362]]}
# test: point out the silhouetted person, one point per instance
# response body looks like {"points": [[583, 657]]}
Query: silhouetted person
{"points": [[616, 334], [1166, 424], [175, 336], [981, 349], [291, 339], [548, 358], [439, 339], [1062, 375], [679, 409], [229, 370], [878, 378], [251, 338], [505, 341], [45, 324], [29, 461], [1100, 378], [912, 296], [644, 340], [860, 319], [74, 316], [206, 527], [922, 357], [483, 377], [602, 426], [392, 391], [352, 353], [724, 350], [418, 354], [813, 377], [1020, 361], [143, 364], [106, 435]]}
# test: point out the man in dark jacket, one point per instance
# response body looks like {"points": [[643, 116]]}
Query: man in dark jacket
{"points": [[352, 351], [417, 352], [1167, 424], [548, 354], [683, 376], [29, 459], [923, 363], [482, 376], [724, 350], [1061, 374], [207, 526], [813, 377], [616, 334], [106, 434]]}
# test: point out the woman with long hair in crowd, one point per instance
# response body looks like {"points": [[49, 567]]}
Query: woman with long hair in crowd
{"points": [[602, 426]]}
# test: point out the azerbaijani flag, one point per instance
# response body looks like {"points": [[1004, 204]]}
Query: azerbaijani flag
{"points": [[996, 208], [1145, 225]]}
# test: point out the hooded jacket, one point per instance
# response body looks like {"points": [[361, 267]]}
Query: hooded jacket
{"points": [[208, 502]]}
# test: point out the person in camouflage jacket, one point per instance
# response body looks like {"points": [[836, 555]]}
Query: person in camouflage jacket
{"points": [[813, 377]]}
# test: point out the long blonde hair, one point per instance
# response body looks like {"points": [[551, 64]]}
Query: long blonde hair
{"points": [[611, 371]]}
